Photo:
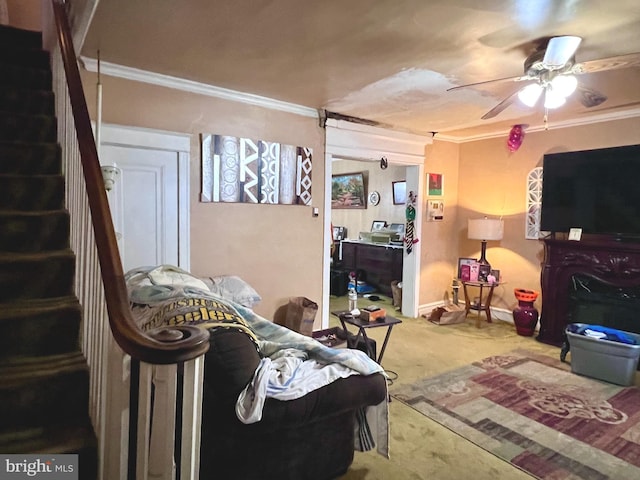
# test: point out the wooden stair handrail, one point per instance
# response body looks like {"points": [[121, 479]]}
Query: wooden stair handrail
{"points": [[163, 346]]}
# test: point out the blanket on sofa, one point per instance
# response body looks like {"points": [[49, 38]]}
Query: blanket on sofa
{"points": [[292, 364]]}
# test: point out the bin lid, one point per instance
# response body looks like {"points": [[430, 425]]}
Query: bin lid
{"points": [[601, 332]]}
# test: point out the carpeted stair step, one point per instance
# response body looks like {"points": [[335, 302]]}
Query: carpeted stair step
{"points": [[31, 193], [44, 377], [20, 127], [75, 439], [15, 76], [12, 36], [24, 57], [79, 439], [30, 232], [44, 391], [36, 275], [39, 327], [30, 158], [27, 101]]}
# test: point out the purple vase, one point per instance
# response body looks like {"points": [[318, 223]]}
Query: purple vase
{"points": [[525, 315]]}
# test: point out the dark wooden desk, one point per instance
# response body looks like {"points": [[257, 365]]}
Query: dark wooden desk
{"points": [[483, 305], [377, 264], [363, 325]]}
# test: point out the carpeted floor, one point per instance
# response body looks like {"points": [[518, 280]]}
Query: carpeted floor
{"points": [[530, 410], [421, 448]]}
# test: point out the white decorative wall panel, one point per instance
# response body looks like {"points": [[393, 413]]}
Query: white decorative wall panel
{"points": [[269, 172], [534, 203], [288, 170], [227, 169]]}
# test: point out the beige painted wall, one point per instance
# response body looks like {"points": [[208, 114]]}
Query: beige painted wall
{"points": [[277, 249], [440, 240], [492, 181], [24, 14]]}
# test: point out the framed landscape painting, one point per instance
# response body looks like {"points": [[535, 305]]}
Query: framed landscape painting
{"points": [[348, 190]]}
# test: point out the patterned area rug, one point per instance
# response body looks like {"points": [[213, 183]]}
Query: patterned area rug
{"points": [[531, 411]]}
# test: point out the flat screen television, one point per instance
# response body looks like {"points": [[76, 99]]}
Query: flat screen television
{"points": [[595, 190]]}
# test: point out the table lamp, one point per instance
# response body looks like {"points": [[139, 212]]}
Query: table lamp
{"points": [[485, 229]]}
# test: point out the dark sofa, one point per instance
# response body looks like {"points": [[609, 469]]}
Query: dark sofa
{"points": [[308, 438]]}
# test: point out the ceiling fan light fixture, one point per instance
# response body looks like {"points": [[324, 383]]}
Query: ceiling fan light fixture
{"points": [[552, 99], [564, 85], [530, 94]]}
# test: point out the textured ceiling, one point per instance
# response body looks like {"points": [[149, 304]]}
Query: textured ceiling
{"points": [[386, 61]]}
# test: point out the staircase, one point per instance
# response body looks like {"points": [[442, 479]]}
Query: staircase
{"points": [[44, 378]]}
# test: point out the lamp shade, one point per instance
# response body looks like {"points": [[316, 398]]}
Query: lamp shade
{"points": [[486, 229]]}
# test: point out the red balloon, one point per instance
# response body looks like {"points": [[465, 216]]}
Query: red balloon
{"points": [[516, 135]]}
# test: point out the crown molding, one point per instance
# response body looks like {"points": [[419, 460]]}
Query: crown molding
{"points": [[137, 75], [574, 122]]}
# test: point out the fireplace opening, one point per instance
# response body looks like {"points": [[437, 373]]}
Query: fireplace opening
{"points": [[595, 302]]}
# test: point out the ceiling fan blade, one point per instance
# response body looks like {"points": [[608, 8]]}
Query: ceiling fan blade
{"points": [[501, 106], [498, 80], [590, 97], [560, 50], [611, 63]]}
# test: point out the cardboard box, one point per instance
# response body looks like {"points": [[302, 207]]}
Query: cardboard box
{"points": [[371, 315], [603, 359], [448, 315]]}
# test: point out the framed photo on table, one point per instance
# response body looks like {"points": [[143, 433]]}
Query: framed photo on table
{"points": [[464, 265], [378, 225]]}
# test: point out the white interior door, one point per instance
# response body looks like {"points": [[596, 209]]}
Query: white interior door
{"points": [[149, 199], [144, 203]]}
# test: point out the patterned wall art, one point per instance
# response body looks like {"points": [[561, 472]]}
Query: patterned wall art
{"points": [[243, 170], [534, 203]]}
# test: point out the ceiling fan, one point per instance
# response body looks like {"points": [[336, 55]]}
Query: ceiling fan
{"points": [[550, 75]]}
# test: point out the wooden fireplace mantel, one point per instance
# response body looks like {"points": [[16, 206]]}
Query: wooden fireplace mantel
{"points": [[615, 263]]}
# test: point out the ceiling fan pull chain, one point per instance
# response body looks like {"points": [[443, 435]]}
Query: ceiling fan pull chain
{"points": [[546, 119]]}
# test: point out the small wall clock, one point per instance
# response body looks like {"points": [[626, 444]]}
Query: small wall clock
{"points": [[374, 198]]}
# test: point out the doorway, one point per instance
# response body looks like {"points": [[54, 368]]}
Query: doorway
{"points": [[352, 141], [149, 200]]}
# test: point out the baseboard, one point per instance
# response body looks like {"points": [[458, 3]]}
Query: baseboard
{"points": [[426, 308], [502, 314]]}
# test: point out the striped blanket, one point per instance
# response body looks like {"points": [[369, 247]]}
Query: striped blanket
{"points": [[292, 364]]}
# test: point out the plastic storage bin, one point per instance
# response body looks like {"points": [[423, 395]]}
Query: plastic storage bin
{"points": [[606, 360]]}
